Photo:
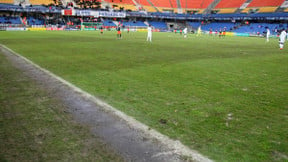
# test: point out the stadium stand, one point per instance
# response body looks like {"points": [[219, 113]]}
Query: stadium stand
{"points": [[121, 1], [158, 24], [215, 21], [264, 5], [7, 1], [126, 6], [134, 24], [163, 9], [219, 26], [195, 4], [194, 25], [40, 2], [228, 6], [164, 3], [143, 2], [35, 21], [150, 9], [259, 28], [108, 23], [146, 5], [226, 10], [267, 9], [10, 20]]}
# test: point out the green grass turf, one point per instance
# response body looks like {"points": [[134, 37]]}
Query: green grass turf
{"points": [[193, 84], [35, 127]]}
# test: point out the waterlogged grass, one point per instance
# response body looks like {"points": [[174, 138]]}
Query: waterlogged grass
{"points": [[34, 127], [226, 98]]}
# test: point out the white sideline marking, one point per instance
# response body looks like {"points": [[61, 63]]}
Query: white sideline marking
{"points": [[174, 146]]}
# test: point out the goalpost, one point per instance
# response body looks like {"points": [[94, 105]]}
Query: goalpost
{"points": [[91, 25]]}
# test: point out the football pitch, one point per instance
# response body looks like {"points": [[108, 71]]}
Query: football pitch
{"points": [[225, 97]]}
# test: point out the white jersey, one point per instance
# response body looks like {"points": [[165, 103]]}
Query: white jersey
{"points": [[282, 36], [185, 31], [149, 36], [268, 32], [149, 29]]}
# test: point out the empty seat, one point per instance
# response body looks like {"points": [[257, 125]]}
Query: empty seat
{"points": [[227, 10], [127, 6], [218, 26], [108, 23], [40, 2], [230, 3], [162, 9], [162, 3], [35, 21], [135, 24], [265, 3], [7, 1], [195, 4], [149, 8], [267, 9], [143, 2], [158, 24], [10, 20], [194, 24]]}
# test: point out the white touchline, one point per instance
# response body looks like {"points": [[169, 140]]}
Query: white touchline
{"points": [[174, 145]]}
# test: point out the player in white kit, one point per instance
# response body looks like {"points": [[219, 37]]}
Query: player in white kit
{"points": [[267, 35], [282, 39], [149, 35], [185, 32]]}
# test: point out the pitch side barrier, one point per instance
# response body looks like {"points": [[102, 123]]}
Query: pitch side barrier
{"points": [[241, 34], [125, 30]]}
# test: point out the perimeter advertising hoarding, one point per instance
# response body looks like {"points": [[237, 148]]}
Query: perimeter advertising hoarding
{"points": [[99, 13]]}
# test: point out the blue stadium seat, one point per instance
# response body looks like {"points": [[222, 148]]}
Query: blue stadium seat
{"points": [[108, 23], [158, 24], [135, 23], [10, 20]]}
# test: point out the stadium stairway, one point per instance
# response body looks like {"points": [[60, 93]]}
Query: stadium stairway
{"points": [[146, 22], [179, 6], [211, 7], [239, 10], [280, 8], [152, 5], [116, 23]]}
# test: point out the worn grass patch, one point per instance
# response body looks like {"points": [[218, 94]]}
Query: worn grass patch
{"points": [[35, 127], [227, 98]]}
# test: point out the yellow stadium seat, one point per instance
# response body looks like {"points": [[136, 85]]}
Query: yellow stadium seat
{"points": [[128, 7], [7, 1], [267, 9], [149, 8], [245, 10], [161, 9], [226, 10], [40, 2], [201, 11], [286, 10]]}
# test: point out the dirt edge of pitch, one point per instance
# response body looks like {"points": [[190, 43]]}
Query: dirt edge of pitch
{"points": [[165, 141]]}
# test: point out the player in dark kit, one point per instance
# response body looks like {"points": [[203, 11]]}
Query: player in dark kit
{"points": [[101, 29], [119, 36]]}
